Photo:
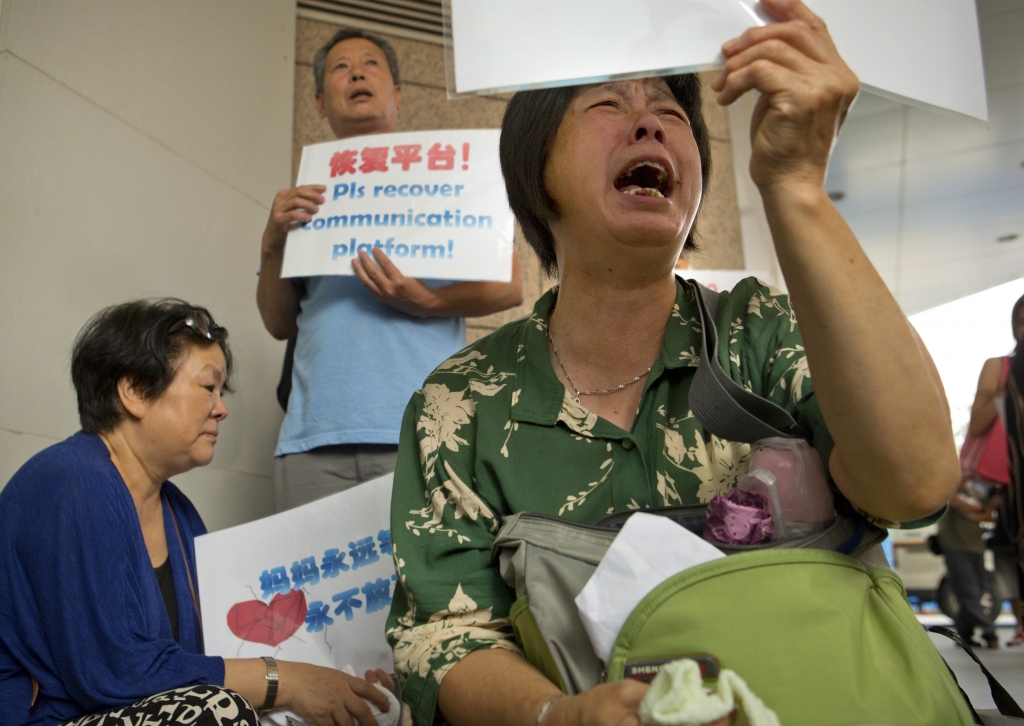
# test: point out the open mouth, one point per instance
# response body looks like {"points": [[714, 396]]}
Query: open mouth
{"points": [[644, 179], [361, 93]]}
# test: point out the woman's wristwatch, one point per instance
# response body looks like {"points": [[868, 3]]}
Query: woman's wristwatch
{"points": [[273, 676], [544, 709]]}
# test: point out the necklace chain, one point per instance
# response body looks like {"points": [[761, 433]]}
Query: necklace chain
{"points": [[576, 400]]}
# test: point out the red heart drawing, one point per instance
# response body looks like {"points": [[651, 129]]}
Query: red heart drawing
{"points": [[270, 624]]}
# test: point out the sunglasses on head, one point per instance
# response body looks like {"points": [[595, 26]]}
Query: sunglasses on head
{"points": [[199, 322]]}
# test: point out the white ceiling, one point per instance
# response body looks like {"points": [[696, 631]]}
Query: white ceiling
{"points": [[929, 195]]}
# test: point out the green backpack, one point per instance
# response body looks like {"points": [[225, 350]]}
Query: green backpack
{"points": [[819, 627], [831, 642], [820, 637]]}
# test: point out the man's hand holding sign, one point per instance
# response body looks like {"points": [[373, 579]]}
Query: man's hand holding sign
{"points": [[391, 204], [406, 294], [431, 201]]}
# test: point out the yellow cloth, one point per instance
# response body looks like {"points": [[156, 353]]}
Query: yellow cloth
{"points": [[677, 697]]}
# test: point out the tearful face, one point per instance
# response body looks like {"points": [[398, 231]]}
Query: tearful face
{"points": [[625, 165]]}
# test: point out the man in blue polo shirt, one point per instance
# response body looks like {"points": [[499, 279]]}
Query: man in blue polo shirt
{"points": [[365, 343]]}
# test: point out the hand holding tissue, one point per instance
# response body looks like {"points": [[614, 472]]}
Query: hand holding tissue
{"points": [[677, 697]]}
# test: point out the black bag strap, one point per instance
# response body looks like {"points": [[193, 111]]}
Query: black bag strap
{"points": [[1003, 700], [721, 405], [731, 412]]}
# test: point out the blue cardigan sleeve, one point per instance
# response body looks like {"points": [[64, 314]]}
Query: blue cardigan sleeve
{"points": [[103, 617]]}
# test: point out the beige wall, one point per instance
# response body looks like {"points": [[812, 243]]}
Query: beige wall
{"points": [[140, 147], [425, 106]]}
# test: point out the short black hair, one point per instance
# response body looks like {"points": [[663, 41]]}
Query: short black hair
{"points": [[133, 340], [320, 58], [528, 131]]}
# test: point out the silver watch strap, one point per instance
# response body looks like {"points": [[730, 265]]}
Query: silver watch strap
{"points": [[544, 709], [273, 676]]}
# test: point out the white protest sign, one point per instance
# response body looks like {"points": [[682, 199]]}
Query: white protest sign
{"points": [[433, 201], [313, 584], [926, 52]]}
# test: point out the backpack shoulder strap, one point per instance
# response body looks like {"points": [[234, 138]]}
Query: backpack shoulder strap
{"points": [[1000, 696], [721, 405]]}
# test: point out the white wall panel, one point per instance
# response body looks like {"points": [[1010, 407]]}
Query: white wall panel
{"points": [[251, 497], [973, 245], [869, 141], [876, 227], [866, 189], [141, 146], [1002, 210], [210, 80], [931, 134], [868, 104], [16, 448], [934, 284], [987, 169], [126, 218]]}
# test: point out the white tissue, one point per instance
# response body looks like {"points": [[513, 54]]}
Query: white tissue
{"points": [[677, 697], [649, 550], [282, 716]]}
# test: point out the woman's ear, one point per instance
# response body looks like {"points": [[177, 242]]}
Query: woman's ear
{"points": [[132, 402]]}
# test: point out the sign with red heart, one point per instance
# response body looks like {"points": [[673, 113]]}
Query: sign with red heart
{"points": [[271, 624], [311, 585]]}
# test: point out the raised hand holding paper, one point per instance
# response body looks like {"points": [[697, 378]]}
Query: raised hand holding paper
{"points": [[433, 201]]}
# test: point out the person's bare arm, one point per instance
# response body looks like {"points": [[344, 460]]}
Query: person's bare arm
{"points": [[991, 509], [983, 410], [277, 298], [965, 506], [498, 688], [322, 696], [878, 389], [458, 300]]}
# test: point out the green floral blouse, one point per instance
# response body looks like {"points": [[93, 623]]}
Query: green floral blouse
{"points": [[494, 432]]}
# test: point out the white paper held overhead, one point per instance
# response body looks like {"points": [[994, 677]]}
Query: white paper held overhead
{"points": [[923, 53]]}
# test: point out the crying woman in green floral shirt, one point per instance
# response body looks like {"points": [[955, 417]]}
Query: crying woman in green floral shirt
{"points": [[582, 409], [498, 433]]}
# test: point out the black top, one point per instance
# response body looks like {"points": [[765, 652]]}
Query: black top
{"points": [[166, 580]]}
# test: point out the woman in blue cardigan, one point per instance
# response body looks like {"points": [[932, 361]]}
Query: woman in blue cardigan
{"points": [[99, 617]]}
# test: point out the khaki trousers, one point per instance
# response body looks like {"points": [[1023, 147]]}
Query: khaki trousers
{"points": [[303, 478]]}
